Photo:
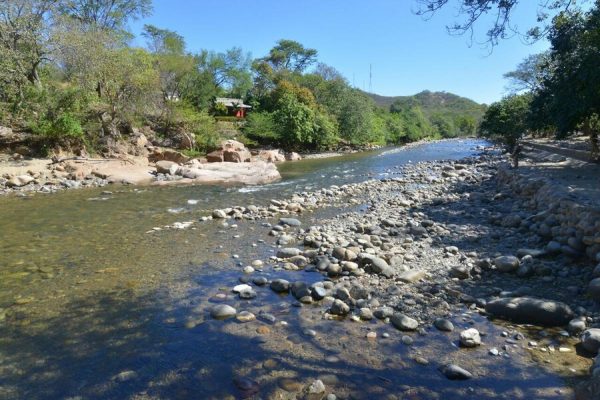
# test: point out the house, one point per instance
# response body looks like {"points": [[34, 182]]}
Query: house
{"points": [[235, 107]]}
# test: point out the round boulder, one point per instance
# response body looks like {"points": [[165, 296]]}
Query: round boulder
{"points": [[506, 263]]}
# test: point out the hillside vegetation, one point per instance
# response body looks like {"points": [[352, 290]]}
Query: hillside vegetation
{"points": [[70, 77]]}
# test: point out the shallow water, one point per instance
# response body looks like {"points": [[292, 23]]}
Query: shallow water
{"points": [[93, 306]]}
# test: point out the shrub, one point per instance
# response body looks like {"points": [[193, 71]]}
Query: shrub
{"points": [[65, 126], [260, 126]]}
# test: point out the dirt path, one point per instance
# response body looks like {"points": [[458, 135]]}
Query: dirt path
{"points": [[581, 178]]}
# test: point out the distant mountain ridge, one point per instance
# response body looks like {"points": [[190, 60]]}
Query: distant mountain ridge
{"points": [[433, 103]]}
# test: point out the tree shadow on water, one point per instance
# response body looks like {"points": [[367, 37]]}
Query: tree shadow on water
{"points": [[128, 346]]}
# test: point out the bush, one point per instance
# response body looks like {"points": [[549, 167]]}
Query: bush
{"points": [[260, 126], [65, 126]]}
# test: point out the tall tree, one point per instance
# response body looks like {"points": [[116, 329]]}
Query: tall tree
{"points": [[171, 61], [24, 36], [529, 74], [290, 55], [572, 91], [106, 14]]}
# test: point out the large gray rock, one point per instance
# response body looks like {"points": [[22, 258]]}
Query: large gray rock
{"points": [[590, 340], [530, 310], [506, 263], [403, 322], [280, 286]]}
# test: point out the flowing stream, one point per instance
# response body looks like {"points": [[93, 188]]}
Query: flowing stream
{"points": [[93, 307]]}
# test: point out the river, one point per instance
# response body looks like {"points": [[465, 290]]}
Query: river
{"points": [[92, 306]]}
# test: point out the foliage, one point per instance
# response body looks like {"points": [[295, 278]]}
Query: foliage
{"points": [[529, 73], [507, 120], [290, 55], [260, 126], [105, 14], [68, 72]]}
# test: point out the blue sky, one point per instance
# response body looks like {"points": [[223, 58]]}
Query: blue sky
{"points": [[408, 53]]}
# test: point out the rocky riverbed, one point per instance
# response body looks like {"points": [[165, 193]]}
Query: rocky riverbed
{"points": [[437, 280], [432, 250]]}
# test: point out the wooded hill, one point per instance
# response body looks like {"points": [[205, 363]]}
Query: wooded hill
{"points": [[433, 102]]}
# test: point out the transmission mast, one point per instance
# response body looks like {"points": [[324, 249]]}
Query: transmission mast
{"points": [[370, 78]]}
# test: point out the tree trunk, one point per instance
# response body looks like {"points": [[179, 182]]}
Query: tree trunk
{"points": [[34, 76]]}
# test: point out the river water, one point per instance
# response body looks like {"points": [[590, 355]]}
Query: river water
{"points": [[92, 306]]}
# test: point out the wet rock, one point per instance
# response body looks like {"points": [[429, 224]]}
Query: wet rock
{"points": [[222, 311], [245, 316], [300, 290], [247, 294], [470, 338], [318, 292], [339, 308], [260, 281], [290, 221], [241, 288], [403, 322], [280, 286], [506, 263], [530, 310], [443, 325], [383, 312], [590, 340], [454, 372]]}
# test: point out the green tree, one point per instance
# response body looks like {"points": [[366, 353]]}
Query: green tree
{"points": [[105, 14], [24, 43], [290, 55], [571, 93], [507, 120]]}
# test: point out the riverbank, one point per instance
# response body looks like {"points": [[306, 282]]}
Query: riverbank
{"points": [[144, 164], [430, 249]]}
